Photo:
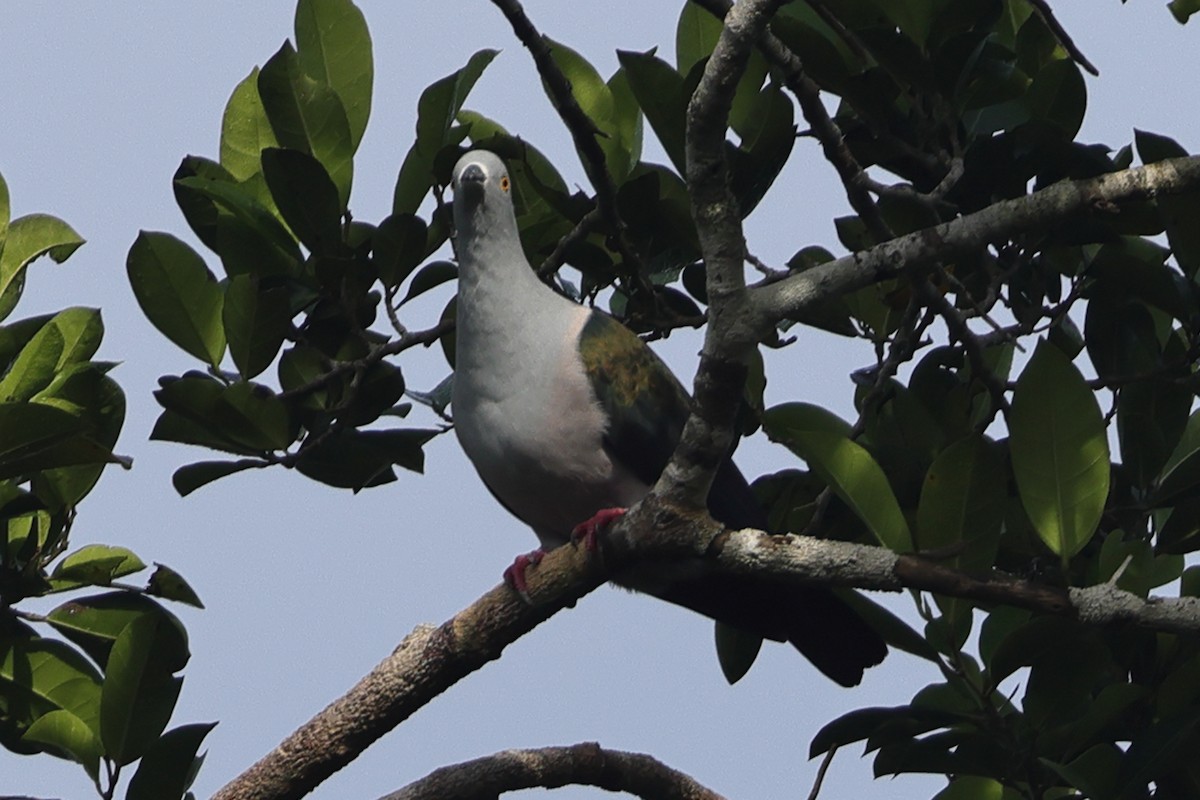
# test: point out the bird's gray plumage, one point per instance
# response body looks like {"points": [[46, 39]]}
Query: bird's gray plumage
{"points": [[564, 412]]}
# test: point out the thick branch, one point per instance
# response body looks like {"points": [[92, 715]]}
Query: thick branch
{"points": [[728, 340], [799, 296], [427, 662], [584, 764], [430, 659]]}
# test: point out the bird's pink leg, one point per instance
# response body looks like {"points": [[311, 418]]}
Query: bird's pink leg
{"points": [[587, 531], [514, 576]]}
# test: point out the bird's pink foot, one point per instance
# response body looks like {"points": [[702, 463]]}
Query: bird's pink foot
{"points": [[514, 576], [587, 531]]}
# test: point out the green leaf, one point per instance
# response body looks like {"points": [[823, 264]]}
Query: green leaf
{"points": [[972, 787], [245, 130], [306, 197], [1151, 416], [358, 460], [696, 34], [28, 238], [436, 111], [736, 650], [191, 477], [249, 238], [334, 48], [865, 723], [71, 336], [170, 764], [94, 622], [167, 583], [1182, 469], [1182, 10], [619, 136], [659, 90], [140, 689], [255, 316], [95, 565], [624, 149], [1058, 96], [178, 294], [962, 503], [1059, 451], [35, 436], [848, 469], [5, 212], [398, 246], [88, 393], [433, 274], [39, 675], [64, 733], [307, 115]]}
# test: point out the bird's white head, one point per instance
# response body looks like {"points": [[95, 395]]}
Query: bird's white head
{"points": [[483, 206]]}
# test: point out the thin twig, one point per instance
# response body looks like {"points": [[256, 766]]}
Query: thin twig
{"points": [[583, 131], [821, 770], [339, 368], [827, 132], [558, 256], [1043, 10]]}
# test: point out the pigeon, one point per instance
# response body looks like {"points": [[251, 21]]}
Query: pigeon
{"points": [[569, 418]]}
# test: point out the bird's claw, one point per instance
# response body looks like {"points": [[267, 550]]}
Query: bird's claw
{"points": [[587, 531], [514, 576]]}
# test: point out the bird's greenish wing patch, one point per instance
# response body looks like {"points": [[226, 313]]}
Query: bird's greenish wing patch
{"points": [[645, 404]]}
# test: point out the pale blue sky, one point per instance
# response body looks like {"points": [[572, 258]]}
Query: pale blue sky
{"points": [[308, 587]]}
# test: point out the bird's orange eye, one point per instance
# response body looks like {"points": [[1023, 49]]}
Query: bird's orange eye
{"points": [[504, 184]]}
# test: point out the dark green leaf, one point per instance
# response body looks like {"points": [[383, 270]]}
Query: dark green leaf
{"points": [[306, 197], [256, 316], [191, 477], [36, 436], [70, 337], [169, 584], [962, 504], [736, 650], [1059, 451], [177, 294], [1182, 469], [249, 237], [170, 764], [399, 245], [140, 689], [361, 459], [308, 116], [433, 274], [1151, 416], [436, 112]]}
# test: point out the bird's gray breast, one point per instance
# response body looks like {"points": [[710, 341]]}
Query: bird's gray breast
{"points": [[527, 417]]}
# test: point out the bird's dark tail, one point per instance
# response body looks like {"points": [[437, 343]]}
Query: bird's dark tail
{"points": [[816, 621]]}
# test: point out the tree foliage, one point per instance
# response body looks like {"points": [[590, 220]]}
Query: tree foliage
{"points": [[1030, 412]]}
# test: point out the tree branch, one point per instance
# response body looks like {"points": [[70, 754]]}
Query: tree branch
{"points": [[432, 659], [728, 339], [801, 295], [428, 661], [585, 764]]}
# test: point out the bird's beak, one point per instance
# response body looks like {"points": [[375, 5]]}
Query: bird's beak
{"points": [[471, 181]]}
